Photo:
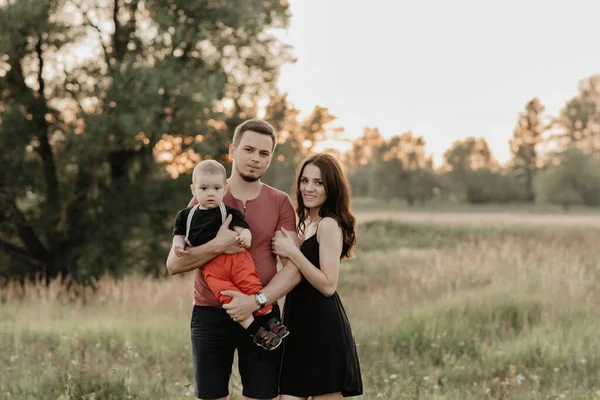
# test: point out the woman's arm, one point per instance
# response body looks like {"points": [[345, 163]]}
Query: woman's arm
{"points": [[330, 239], [288, 276], [285, 279]]}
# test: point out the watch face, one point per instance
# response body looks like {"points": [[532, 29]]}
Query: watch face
{"points": [[262, 299]]}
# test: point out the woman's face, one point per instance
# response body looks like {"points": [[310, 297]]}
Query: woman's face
{"points": [[312, 187]]}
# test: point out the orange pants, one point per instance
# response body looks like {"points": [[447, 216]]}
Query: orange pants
{"points": [[234, 272]]}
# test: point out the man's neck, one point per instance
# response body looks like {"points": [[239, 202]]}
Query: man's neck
{"points": [[242, 189]]}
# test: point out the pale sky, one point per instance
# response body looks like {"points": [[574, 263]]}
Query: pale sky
{"points": [[444, 69]]}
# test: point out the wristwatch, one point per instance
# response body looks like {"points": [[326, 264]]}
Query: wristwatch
{"points": [[261, 299]]}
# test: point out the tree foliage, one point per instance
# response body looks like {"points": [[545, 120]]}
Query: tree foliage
{"points": [[92, 94], [524, 143], [397, 167], [572, 178]]}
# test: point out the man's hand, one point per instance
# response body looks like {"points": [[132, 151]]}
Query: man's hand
{"points": [[241, 305], [180, 250], [226, 239]]}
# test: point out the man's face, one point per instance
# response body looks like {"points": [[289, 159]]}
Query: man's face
{"points": [[252, 156], [209, 189]]}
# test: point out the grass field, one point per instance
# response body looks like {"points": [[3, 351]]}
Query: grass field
{"points": [[450, 305]]}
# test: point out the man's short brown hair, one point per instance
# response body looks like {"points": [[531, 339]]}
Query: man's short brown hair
{"points": [[254, 125]]}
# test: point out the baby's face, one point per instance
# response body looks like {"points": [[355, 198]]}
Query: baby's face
{"points": [[209, 189]]}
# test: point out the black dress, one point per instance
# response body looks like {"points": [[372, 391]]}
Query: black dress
{"points": [[319, 355]]}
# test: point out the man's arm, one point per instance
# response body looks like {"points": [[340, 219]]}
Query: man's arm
{"points": [[242, 305], [283, 281], [198, 256], [195, 257]]}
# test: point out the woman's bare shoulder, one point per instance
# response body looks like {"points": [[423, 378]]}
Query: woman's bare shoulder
{"points": [[328, 226]]}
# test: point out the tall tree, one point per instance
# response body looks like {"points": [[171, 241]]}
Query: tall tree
{"points": [[366, 147], [366, 150], [469, 154], [526, 137], [407, 152], [472, 169], [394, 168], [91, 95], [579, 121]]}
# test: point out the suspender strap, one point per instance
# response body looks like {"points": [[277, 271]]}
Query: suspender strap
{"points": [[191, 215], [223, 212], [189, 223]]}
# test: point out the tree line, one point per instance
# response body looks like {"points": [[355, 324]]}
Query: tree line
{"points": [[554, 159], [106, 106]]}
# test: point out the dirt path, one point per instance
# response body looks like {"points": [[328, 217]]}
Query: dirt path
{"points": [[479, 218]]}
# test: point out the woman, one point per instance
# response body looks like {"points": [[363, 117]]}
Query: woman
{"points": [[319, 356]]}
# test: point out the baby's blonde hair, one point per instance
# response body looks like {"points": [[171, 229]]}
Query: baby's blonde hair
{"points": [[211, 167]]}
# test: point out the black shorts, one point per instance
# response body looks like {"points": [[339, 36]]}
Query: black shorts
{"points": [[214, 340]]}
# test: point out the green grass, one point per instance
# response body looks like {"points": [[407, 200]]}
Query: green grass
{"points": [[385, 235], [438, 312]]}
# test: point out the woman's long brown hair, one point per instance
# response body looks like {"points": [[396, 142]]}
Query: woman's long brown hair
{"points": [[337, 203]]}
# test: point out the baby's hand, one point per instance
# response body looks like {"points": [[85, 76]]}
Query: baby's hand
{"points": [[245, 238], [180, 250]]}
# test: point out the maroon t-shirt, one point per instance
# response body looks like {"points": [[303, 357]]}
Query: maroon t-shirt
{"points": [[267, 213]]}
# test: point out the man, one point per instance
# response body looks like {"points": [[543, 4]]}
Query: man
{"points": [[215, 335]]}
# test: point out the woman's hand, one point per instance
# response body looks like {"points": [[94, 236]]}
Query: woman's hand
{"points": [[284, 246]]}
